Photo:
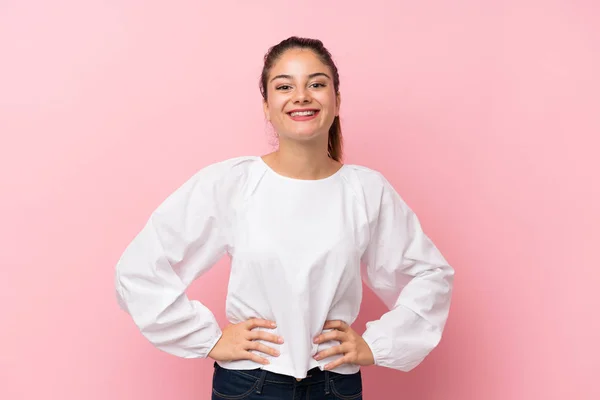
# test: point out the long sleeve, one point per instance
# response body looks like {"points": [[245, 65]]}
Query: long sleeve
{"points": [[408, 273], [183, 238]]}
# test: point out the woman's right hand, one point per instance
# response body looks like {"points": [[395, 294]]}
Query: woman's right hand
{"points": [[237, 339]]}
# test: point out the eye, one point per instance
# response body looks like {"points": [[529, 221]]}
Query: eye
{"points": [[318, 84], [283, 87]]}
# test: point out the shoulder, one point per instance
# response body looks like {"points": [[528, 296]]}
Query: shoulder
{"points": [[371, 181], [226, 173], [374, 190], [217, 180], [230, 166]]}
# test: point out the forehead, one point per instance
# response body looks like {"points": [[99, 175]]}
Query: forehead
{"points": [[298, 62]]}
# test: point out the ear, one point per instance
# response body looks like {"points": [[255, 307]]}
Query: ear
{"points": [[266, 111], [338, 103]]}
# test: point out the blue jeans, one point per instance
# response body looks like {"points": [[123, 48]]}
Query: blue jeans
{"points": [[258, 384]]}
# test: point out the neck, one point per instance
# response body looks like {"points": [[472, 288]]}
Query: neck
{"points": [[302, 160]]}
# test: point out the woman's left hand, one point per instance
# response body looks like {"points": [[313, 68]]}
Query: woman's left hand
{"points": [[353, 347]]}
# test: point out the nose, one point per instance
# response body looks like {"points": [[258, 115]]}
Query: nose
{"points": [[302, 96]]}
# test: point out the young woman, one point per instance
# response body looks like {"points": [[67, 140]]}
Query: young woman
{"points": [[303, 231]]}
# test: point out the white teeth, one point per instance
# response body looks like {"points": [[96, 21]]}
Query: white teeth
{"points": [[302, 113]]}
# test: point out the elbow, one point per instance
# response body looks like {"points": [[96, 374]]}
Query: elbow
{"points": [[449, 273], [445, 277], [121, 300], [118, 290]]}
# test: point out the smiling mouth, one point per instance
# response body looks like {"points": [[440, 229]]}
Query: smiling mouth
{"points": [[307, 113]]}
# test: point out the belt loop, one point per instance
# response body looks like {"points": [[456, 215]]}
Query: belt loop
{"points": [[261, 381], [326, 382]]}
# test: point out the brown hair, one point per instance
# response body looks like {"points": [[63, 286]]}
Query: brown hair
{"points": [[334, 146]]}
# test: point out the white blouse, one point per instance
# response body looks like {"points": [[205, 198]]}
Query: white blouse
{"points": [[299, 251]]}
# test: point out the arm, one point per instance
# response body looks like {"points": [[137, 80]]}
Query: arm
{"points": [[182, 239], [408, 273]]}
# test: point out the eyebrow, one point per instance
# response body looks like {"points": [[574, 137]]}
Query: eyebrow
{"points": [[309, 76]]}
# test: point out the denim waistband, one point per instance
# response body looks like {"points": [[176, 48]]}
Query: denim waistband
{"points": [[314, 376]]}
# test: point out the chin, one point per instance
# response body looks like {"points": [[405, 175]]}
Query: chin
{"points": [[305, 132], [304, 135]]}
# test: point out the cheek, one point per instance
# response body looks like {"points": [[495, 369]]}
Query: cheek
{"points": [[275, 104], [327, 100], [274, 114]]}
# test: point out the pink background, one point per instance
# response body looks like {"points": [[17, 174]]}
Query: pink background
{"points": [[484, 115]]}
